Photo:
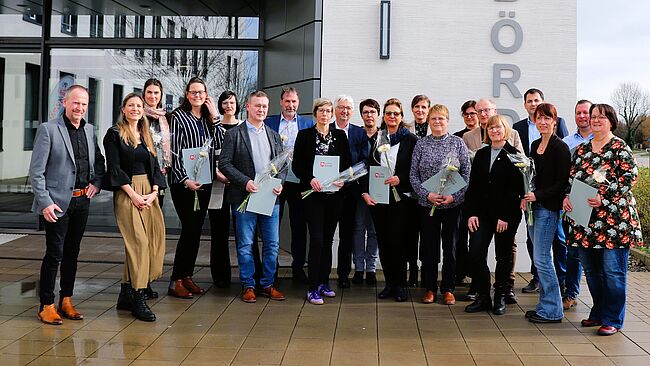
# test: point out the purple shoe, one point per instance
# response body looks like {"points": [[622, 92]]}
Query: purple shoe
{"points": [[326, 291], [314, 298]]}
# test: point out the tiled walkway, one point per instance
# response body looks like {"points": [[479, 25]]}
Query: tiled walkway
{"points": [[352, 329]]}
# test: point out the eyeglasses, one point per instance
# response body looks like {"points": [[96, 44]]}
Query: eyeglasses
{"points": [[368, 113], [342, 107], [197, 93], [495, 128], [601, 117], [324, 110], [393, 114], [438, 119], [470, 114], [485, 110]]}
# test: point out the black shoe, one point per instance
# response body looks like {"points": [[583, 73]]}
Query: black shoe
{"points": [[124, 299], [413, 277], [529, 314], [481, 304], [402, 294], [472, 295], [499, 304], [299, 276], [386, 292], [511, 298], [533, 286], [357, 279], [538, 319], [371, 278], [149, 293], [344, 282], [140, 308], [222, 283]]}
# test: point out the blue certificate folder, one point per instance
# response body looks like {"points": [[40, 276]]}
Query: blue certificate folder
{"points": [[581, 212], [264, 199], [379, 191], [190, 158], [454, 183], [326, 168]]}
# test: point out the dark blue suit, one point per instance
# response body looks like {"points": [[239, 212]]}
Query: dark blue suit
{"points": [[358, 141], [291, 195]]}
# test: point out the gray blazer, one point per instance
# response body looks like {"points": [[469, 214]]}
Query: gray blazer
{"points": [[236, 161], [52, 169]]}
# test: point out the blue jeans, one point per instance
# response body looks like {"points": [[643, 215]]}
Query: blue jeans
{"points": [[559, 254], [244, 233], [573, 268], [543, 232], [606, 273], [365, 253]]}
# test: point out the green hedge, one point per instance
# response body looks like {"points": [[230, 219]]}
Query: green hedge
{"points": [[642, 195]]}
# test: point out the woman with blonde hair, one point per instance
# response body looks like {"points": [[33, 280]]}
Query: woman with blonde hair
{"points": [[135, 177]]}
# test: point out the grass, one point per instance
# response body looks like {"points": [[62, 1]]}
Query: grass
{"points": [[641, 193]]}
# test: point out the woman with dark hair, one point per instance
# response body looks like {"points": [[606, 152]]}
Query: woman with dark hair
{"points": [[324, 207], [135, 178], [193, 125], [390, 220], [159, 122], [552, 161], [614, 226]]}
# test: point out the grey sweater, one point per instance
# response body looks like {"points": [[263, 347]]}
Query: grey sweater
{"points": [[429, 156]]}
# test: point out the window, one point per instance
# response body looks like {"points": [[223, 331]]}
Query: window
{"points": [[118, 91], [234, 77], [195, 59], [96, 26], [171, 33], [139, 33], [69, 24], [156, 30], [33, 18], [184, 51], [2, 99], [228, 62], [32, 73], [94, 88], [120, 29]]}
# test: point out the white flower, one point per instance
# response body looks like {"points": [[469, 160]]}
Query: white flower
{"points": [[612, 208], [578, 175], [598, 224], [622, 226], [588, 230], [596, 160], [622, 202], [284, 138], [203, 153], [611, 232], [605, 202], [599, 175], [608, 155], [624, 154], [384, 148]]}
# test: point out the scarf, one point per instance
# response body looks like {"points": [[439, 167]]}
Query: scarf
{"points": [[165, 144]]}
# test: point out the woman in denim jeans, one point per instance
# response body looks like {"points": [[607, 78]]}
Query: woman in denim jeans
{"points": [[552, 161], [607, 163]]}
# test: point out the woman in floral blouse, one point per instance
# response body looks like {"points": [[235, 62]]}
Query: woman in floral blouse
{"points": [[614, 227]]}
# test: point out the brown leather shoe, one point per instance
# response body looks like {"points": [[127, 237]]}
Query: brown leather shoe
{"points": [[449, 299], [590, 323], [429, 297], [568, 303], [48, 315], [248, 295], [177, 289], [192, 287], [67, 309], [273, 294]]}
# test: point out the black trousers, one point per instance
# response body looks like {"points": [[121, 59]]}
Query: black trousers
{"points": [[187, 247], [297, 222], [219, 251], [443, 225], [390, 227], [322, 217], [412, 232], [462, 251], [62, 243], [505, 248], [350, 195]]}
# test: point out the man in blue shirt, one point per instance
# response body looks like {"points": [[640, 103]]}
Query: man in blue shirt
{"points": [[573, 265], [287, 124]]}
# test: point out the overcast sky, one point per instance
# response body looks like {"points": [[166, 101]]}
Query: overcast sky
{"points": [[613, 46]]}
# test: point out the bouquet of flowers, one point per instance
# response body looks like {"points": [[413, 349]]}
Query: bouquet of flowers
{"points": [[450, 166], [276, 166], [527, 168], [204, 154], [348, 175], [383, 147], [597, 178]]}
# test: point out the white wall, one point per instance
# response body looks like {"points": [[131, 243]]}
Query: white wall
{"points": [[444, 50]]}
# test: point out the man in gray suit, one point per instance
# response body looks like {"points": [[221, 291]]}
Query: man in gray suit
{"points": [[246, 151], [66, 170]]}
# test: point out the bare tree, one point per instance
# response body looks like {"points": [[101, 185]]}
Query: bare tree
{"points": [[633, 105]]}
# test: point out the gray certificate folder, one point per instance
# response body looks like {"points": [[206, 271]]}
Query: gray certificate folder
{"points": [[263, 200], [326, 168], [191, 157], [454, 183], [379, 191], [581, 212]]}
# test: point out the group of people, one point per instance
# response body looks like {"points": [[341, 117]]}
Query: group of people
{"points": [[145, 157]]}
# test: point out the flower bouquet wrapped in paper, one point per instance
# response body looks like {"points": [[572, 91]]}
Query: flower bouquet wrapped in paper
{"points": [[383, 147], [348, 175], [276, 166], [527, 168], [450, 165], [203, 156]]}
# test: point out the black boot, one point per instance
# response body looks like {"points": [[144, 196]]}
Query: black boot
{"points": [[413, 276], [499, 304], [357, 279], [482, 303], [124, 299], [140, 308], [149, 293]]}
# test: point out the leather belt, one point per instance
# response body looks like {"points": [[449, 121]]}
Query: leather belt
{"points": [[79, 192]]}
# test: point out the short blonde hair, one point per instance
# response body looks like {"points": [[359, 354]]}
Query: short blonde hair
{"points": [[440, 109], [321, 102], [496, 119]]}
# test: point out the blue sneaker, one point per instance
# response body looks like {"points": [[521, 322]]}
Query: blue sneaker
{"points": [[326, 291], [314, 298]]}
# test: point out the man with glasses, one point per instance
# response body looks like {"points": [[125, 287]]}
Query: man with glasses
{"points": [[287, 124], [358, 142], [529, 133], [486, 108]]}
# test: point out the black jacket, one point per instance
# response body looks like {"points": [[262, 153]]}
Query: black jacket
{"points": [[304, 153], [495, 193], [119, 163], [551, 172], [402, 164]]}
